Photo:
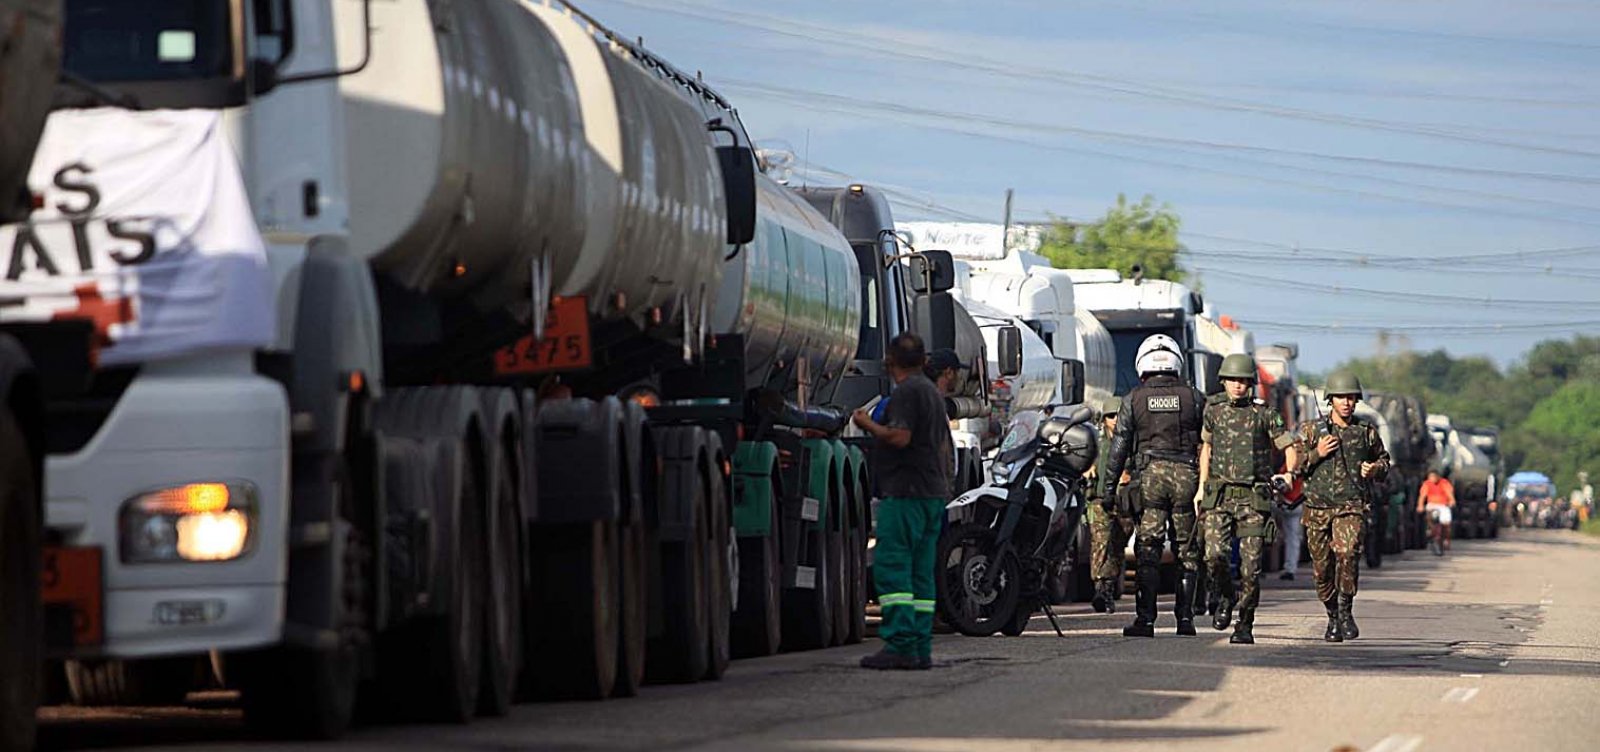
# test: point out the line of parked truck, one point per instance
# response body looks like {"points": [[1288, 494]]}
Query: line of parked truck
{"points": [[429, 356]]}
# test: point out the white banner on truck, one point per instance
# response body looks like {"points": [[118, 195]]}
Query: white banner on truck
{"points": [[146, 230], [971, 240]]}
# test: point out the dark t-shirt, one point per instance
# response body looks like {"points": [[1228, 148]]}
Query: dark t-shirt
{"points": [[922, 468]]}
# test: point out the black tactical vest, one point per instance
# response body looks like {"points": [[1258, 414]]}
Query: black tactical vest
{"points": [[1166, 418]]}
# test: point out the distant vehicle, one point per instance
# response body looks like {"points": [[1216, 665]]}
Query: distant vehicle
{"points": [[1528, 496]]}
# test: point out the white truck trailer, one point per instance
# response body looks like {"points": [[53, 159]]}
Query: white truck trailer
{"points": [[432, 350]]}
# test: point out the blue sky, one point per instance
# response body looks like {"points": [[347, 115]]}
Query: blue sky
{"points": [[1332, 162]]}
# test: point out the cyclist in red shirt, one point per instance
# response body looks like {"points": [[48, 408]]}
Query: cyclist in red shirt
{"points": [[1438, 493]]}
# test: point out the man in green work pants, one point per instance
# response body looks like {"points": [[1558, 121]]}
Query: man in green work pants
{"points": [[912, 456]]}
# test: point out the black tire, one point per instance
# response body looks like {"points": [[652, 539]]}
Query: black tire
{"points": [[840, 584], [856, 564], [808, 612], [302, 693], [634, 617], [965, 552], [21, 614], [578, 630], [758, 623], [150, 682], [1018, 623], [453, 644], [1372, 546], [720, 559], [679, 653], [502, 612]]}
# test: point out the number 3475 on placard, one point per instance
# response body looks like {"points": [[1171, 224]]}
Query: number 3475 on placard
{"points": [[564, 346]]}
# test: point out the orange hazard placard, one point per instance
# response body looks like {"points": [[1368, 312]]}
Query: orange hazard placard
{"points": [[72, 577], [565, 345]]}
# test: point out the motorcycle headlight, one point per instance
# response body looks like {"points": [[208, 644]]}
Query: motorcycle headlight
{"points": [[192, 522]]}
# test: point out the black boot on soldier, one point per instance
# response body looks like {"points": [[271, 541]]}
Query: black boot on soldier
{"points": [[1144, 604], [1332, 633], [1347, 621], [1185, 606], [1223, 615], [1242, 634], [1102, 596]]}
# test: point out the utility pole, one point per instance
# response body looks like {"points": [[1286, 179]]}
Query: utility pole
{"points": [[1005, 226]]}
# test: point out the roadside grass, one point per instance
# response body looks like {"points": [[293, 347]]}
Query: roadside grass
{"points": [[1592, 527]]}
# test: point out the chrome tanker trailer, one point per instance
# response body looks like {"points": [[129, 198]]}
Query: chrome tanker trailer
{"points": [[438, 351], [30, 54]]}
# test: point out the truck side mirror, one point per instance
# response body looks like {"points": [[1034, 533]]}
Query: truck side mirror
{"points": [[1010, 355], [1072, 381], [1210, 363], [739, 189], [933, 271]]}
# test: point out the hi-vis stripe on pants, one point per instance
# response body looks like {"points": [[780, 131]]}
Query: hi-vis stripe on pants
{"points": [[903, 569]]}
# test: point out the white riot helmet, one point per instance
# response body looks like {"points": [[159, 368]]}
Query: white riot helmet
{"points": [[1159, 354]]}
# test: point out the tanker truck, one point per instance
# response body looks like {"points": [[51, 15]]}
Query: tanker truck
{"points": [[1470, 470], [437, 354], [1411, 450], [30, 54]]}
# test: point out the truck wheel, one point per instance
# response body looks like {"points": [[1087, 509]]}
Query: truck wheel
{"points": [[502, 612], [577, 630], [807, 612], [855, 557], [679, 653], [151, 682], [839, 584], [454, 646], [757, 625], [720, 558], [1371, 546], [633, 617], [311, 694], [21, 617]]}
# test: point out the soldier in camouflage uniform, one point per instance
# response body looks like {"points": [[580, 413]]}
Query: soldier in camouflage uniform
{"points": [[1109, 523], [1343, 453], [1160, 424], [1239, 438]]}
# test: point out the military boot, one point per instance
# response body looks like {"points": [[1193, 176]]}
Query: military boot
{"points": [[1102, 596], [1242, 631], [1347, 621], [1185, 603], [1111, 596], [1144, 604], [1332, 633], [1223, 615]]}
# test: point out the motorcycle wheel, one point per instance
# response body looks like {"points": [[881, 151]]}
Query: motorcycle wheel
{"points": [[966, 554], [1018, 623]]}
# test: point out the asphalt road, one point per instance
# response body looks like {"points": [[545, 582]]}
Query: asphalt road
{"points": [[1495, 646]]}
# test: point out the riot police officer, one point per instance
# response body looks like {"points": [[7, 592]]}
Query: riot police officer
{"points": [[1239, 437], [1159, 425]]}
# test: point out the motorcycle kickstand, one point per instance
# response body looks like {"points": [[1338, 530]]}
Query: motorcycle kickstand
{"points": [[1050, 614]]}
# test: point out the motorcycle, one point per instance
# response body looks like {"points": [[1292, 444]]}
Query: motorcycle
{"points": [[1007, 537]]}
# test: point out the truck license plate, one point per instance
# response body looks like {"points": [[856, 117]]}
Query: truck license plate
{"points": [[565, 345], [72, 588]]}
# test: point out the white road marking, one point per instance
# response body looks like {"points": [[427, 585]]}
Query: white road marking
{"points": [[1460, 695], [1472, 676], [1397, 743], [1506, 662]]}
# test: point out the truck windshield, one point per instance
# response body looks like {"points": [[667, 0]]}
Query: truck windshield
{"points": [[113, 41]]}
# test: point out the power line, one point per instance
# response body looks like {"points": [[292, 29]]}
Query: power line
{"points": [[1474, 329], [885, 46], [1478, 209], [803, 95], [1423, 298]]}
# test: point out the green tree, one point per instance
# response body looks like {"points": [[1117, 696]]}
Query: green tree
{"points": [[1144, 233]]}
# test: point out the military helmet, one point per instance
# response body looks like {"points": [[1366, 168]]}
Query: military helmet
{"points": [[1110, 406], [1238, 366], [1344, 383], [1159, 354]]}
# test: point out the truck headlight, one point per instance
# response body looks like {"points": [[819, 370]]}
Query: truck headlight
{"points": [[192, 522]]}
